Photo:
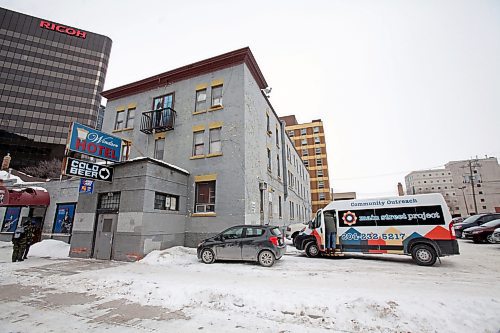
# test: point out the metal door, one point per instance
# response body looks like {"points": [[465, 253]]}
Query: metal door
{"points": [[106, 228]]}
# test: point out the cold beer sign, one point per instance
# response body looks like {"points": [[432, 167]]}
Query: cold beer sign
{"points": [[91, 142], [89, 170]]}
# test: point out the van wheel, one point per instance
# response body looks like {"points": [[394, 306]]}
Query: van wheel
{"points": [[312, 250], [266, 258], [423, 255], [207, 256], [294, 235], [490, 239]]}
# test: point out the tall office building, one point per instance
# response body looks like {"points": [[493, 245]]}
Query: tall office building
{"points": [[309, 140], [50, 75]]}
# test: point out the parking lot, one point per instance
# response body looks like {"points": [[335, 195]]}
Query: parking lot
{"points": [[171, 290]]}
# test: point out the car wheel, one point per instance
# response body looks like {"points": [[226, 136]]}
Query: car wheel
{"points": [[207, 256], [266, 258], [312, 250], [490, 239], [423, 255]]}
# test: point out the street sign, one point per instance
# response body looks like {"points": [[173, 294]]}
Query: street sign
{"points": [[89, 170], [89, 141], [86, 186]]}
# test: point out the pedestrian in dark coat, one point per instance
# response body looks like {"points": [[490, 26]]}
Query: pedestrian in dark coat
{"points": [[30, 234], [19, 240]]}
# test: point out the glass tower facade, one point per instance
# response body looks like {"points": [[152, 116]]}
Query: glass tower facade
{"points": [[50, 75]]}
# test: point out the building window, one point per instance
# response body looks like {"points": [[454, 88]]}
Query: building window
{"points": [[163, 102], [305, 152], [277, 138], [268, 124], [217, 96], [316, 129], [482, 200], [317, 151], [269, 159], [198, 143], [126, 150], [215, 141], [166, 201], [316, 139], [478, 185], [278, 165], [159, 148], [306, 163], [120, 120], [130, 118], [290, 133], [321, 184], [319, 172], [480, 192], [201, 100], [322, 196], [303, 131], [280, 213], [304, 142], [110, 200], [319, 162], [205, 197]]}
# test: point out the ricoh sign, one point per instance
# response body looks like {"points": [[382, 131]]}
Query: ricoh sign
{"points": [[63, 29]]}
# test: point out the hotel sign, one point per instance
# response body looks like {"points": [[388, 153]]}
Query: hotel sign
{"points": [[63, 29], [91, 142]]}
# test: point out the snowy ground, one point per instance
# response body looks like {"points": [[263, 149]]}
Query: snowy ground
{"points": [[171, 291]]}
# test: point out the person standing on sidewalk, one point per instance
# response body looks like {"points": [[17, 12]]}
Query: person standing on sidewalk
{"points": [[29, 229], [19, 240]]}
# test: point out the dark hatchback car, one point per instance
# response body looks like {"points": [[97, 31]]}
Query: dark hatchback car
{"points": [[264, 244], [474, 221], [483, 232]]}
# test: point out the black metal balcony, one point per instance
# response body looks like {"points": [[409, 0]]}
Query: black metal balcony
{"points": [[160, 120]]}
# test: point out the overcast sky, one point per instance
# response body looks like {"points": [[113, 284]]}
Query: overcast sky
{"points": [[399, 85]]}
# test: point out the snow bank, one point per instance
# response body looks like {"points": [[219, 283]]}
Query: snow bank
{"points": [[50, 248], [177, 255]]}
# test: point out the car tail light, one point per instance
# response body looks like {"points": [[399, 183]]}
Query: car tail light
{"points": [[452, 231], [303, 229], [274, 240]]}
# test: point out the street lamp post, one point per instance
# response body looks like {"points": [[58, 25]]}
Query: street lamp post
{"points": [[466, 207]]}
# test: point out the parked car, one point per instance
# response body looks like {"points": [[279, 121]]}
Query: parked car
{"points": [[483, 232], [456, 220], [264, 244], [474, 221], [496, 235], [293, 230]]}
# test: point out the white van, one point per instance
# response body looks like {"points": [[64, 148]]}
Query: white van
{"points": [[416, 225]]}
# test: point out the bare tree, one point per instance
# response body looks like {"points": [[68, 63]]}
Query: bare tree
{"points": [[45, 169]]}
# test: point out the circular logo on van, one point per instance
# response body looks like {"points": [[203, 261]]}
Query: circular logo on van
{"points": [[349, 218]]}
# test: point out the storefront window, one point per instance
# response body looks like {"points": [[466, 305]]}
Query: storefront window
{"points": [[11, 219], [63, 222]]}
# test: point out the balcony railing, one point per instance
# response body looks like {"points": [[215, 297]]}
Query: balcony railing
{"points": [[160, 120]]}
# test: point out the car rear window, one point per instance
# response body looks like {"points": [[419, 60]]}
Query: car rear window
{"points": [[254, 232], [494, 223], [276, 232]]}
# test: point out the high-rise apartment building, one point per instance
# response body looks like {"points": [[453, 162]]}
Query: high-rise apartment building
{"points": [[51, 74], [468, 186], [309, 140]]}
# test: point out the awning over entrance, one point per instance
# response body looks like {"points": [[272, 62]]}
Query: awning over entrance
{"points": [[26, 196]]}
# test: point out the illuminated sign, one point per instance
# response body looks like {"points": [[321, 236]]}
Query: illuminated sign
{"points": [[89, 141], [86, 169], [63, 29]]}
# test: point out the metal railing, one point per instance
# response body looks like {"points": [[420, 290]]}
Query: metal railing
{"points": [[160, 120]]}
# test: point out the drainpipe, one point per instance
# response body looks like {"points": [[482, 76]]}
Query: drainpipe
{"points": [[283, 161]]}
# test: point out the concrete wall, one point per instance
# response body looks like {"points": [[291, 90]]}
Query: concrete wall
{"points": [[140, 227]]}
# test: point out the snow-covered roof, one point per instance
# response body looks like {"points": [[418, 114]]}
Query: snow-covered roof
{"points": [[4, 175], [144, 158]]}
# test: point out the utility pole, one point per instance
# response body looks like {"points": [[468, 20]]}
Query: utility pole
{"points": [[472, 184]]}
